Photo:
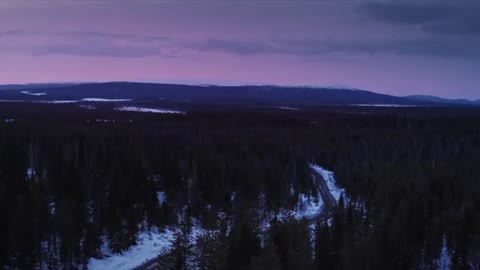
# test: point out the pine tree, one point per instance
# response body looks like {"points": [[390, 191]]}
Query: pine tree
{"points": [[268, 259], [323, 247]]}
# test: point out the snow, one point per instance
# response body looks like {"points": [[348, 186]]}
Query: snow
{"points": [[33, 93], [329, 178], [444, 262], [162, 197], [287, 108], [87, 107], [30, 173], [384, 105], [52, 208], [105, 100], [149, 245], [104, 121], [308, 207], [11, 101], [146, 110], [56, 101]]}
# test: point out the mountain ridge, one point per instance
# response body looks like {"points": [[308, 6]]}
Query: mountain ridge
{"points": [[216, 94]]}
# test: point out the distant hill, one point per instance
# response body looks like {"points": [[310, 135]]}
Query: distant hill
{"points": [[33, 86], [251, 95], [211, 94], [426, 98]]}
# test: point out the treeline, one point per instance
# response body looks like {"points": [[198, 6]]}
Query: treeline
{"points": [[412, 185]]}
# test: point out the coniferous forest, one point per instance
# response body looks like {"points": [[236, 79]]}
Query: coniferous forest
{"points": [[75, 182]]}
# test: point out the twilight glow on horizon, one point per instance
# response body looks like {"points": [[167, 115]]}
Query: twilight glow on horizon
{"points": [[392, 47]]}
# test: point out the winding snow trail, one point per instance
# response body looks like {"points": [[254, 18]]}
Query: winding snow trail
{"points": [[328, 190], [149, 246]]}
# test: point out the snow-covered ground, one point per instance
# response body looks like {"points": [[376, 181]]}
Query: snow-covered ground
{"points": [[149, 246], [329, 178], [11, 101], [87, 107], [104, 121], [308, 207], [162, 197], [33, 93], [146, 110]]}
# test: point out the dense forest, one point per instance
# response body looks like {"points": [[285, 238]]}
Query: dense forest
{"points": [[73, 180]]}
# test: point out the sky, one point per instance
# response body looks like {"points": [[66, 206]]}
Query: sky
{"points": [[395, 47]]}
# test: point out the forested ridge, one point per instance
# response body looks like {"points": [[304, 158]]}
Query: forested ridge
{"points": [[69, 184]]}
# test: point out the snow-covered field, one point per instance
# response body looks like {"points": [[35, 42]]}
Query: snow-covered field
{"points": [[146, 110], [149, 246]]}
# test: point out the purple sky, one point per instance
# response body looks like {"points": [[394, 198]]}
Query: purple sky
{"points": [[394, 47]]}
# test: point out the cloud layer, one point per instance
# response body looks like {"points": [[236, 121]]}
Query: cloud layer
{"points": [[460, 18], [104, 44]]}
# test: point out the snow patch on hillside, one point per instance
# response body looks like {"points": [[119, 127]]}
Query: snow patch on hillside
{"points": [[149, 245]]}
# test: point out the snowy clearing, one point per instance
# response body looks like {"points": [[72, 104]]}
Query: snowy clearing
{"points": [[146, 110], [149, 246]]}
